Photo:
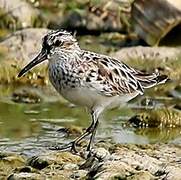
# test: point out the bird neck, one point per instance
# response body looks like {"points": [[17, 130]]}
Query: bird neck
{"points": [[66, 58]]}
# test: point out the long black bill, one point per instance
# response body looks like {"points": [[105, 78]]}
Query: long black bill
{"points": [[38, 59]]}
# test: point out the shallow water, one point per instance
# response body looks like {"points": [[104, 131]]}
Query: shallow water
{"points": [[31, 128]]}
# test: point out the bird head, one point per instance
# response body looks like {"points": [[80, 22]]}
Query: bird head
{"points": [[53, 42]]}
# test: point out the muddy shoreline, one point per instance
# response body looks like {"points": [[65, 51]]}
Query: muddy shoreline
{"points": [[107, 161]]}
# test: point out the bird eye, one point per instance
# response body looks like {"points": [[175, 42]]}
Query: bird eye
{"points": [[58, 43]]}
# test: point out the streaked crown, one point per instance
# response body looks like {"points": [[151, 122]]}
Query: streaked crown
{"points": [[59, 40]]}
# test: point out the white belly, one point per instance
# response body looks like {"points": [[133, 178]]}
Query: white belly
{"points": [[91, 99]]}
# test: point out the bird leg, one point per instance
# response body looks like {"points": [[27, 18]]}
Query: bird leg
{"points": [[72, 145], [90, 130], [91, 141]]}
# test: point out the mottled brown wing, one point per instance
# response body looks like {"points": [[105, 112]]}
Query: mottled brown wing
{"points": [[108, 76]]}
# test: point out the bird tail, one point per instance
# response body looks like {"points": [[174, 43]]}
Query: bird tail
{"points": [[150, 80]]}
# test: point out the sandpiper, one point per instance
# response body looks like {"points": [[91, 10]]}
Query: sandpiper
{"points": [[95, 81]]}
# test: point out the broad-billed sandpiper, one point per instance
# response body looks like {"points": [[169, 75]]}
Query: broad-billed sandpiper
{"points": [[89, 79]]}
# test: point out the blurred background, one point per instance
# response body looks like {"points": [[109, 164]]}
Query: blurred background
{"points": [[144, 34]]}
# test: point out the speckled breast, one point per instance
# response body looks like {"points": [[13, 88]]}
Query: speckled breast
{"points": [[62, 78]]}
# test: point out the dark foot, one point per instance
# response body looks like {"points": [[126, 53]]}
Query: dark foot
{"points": [[70, 146]]}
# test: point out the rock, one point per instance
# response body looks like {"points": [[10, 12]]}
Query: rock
{"points": [[157, 118], [100, 153], [153, 25], [79, 174], [38, 162], [17, 50], [26, 169], [138, 162], [176, 92], [174, 173], [160, 54], [8, 162], [24, 176], [22, 45], [20, 14], [98, 16], [71, 130], [114, 169], [135, 160], [26, 96], [61, 158], [94, 157], [70, 166], [163, 59], [62, 165], [144, 175]]}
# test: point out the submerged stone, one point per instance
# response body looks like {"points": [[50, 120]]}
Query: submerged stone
{"points": [[71, 130], [157, 118], [26, 96]]}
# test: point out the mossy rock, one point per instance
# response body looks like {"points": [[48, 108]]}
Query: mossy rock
{"points": [[157, 118]]}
